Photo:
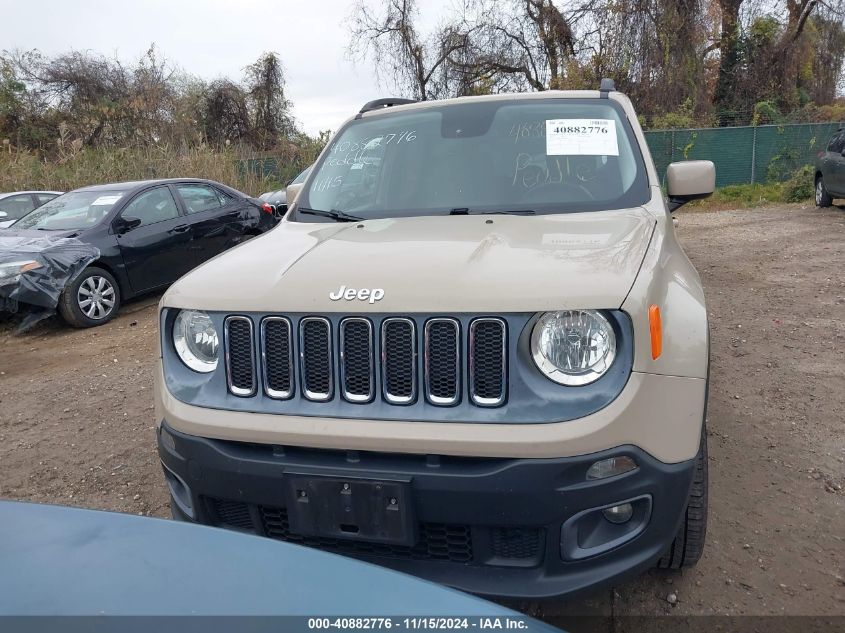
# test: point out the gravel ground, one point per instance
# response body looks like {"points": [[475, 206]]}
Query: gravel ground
{"points": [[76, 421]]}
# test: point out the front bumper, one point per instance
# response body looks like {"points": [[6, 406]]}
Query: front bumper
{"points": [[490, 526]]}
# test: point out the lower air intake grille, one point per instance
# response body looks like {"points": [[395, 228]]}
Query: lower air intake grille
{"points": [[240, 361], [436, 541], [515, 543], [232, 514]]}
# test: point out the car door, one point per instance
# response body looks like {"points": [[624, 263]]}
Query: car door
{"points": [[835, 180], [13, 208], [157, 251], [215, 218]]}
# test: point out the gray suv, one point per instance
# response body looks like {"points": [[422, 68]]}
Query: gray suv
{"points": [[830, 171]]}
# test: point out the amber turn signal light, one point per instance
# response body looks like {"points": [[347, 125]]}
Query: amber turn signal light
{"points": [[656, 330]]}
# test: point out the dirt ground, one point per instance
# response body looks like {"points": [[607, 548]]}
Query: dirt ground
{"points": [[76, 420]]}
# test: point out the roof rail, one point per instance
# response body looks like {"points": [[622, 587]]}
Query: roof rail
{"points": [[606, 85], [380, 104]]}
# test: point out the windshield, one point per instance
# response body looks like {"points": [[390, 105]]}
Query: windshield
{"points": [[541, 156], [76, 210]]}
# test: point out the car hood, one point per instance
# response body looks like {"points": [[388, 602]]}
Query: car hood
{"points": [[478, 263], [72, 562], [45, 235]]}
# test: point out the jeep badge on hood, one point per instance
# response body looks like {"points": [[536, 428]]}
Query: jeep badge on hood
{"points": [[350, 294]]}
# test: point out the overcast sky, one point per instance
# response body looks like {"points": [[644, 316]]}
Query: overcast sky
{"points": [[213, 38]]}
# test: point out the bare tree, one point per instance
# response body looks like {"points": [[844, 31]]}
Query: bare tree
{"points": [[265, 84], [416, 66], [829, 45], [522, 44], [224, 114]]}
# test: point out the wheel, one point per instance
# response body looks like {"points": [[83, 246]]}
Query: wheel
{"points": [[92, 299], [688, 545], [823, 198]]}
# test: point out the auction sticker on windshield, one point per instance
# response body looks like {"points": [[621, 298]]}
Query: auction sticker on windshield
{"points": [[104, 200], [581, 137]]}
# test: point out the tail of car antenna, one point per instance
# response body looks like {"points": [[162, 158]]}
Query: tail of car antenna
{"points": [[381, 104]]}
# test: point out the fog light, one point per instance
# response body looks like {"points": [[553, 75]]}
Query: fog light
{"points": [[619, 514], [611, 467]]}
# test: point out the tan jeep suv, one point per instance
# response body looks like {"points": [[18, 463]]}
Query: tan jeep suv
{"points": [[473, 350]]}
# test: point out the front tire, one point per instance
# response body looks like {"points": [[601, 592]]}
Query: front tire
{"points": [[823, 198], [92, 299], [688, 545]]}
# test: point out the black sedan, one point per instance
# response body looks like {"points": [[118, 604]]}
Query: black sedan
{"points": [[141, 236]]}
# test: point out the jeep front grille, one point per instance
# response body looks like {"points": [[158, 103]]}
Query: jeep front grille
{"points": [[442, 362], [356, 359], [240, 356], [315, 351], [399, 360], [277, 356], [487, 362]]}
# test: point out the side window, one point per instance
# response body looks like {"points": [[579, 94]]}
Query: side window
{"points": [[155, 205], [44, 197], [15, 207], [836, 143], [224, 197], [199, 198]]}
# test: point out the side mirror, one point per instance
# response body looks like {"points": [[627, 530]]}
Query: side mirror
{"points": [[126, 223], [689, 180], [291, 192], [3, 214]]}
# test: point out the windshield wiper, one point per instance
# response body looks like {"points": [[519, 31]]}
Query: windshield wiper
{"points": [[337, 216], [466, 211]]}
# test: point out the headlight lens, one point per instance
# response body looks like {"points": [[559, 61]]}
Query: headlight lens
{"points": [[10, 272], [195, 339], [573, 347]]}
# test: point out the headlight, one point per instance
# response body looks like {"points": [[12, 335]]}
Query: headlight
{"points": [[195, 339], [10, 272], [573, 347]]}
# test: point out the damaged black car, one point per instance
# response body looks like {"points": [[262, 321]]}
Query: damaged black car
{"points": [[86, 251]]}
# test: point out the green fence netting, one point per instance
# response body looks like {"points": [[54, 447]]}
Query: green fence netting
{"points": [[743, 155]]}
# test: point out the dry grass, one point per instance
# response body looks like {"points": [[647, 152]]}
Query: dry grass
{"points": [[78, 167]]}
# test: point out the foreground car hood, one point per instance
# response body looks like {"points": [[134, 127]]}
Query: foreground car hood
{"points": [[69, 561], [494, 263]]}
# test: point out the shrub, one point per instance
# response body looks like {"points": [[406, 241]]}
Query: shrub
{"points": [[799, 187], [683, 117]]}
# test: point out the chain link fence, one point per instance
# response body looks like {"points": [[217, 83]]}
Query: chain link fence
{"points": [[742, 155]]}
